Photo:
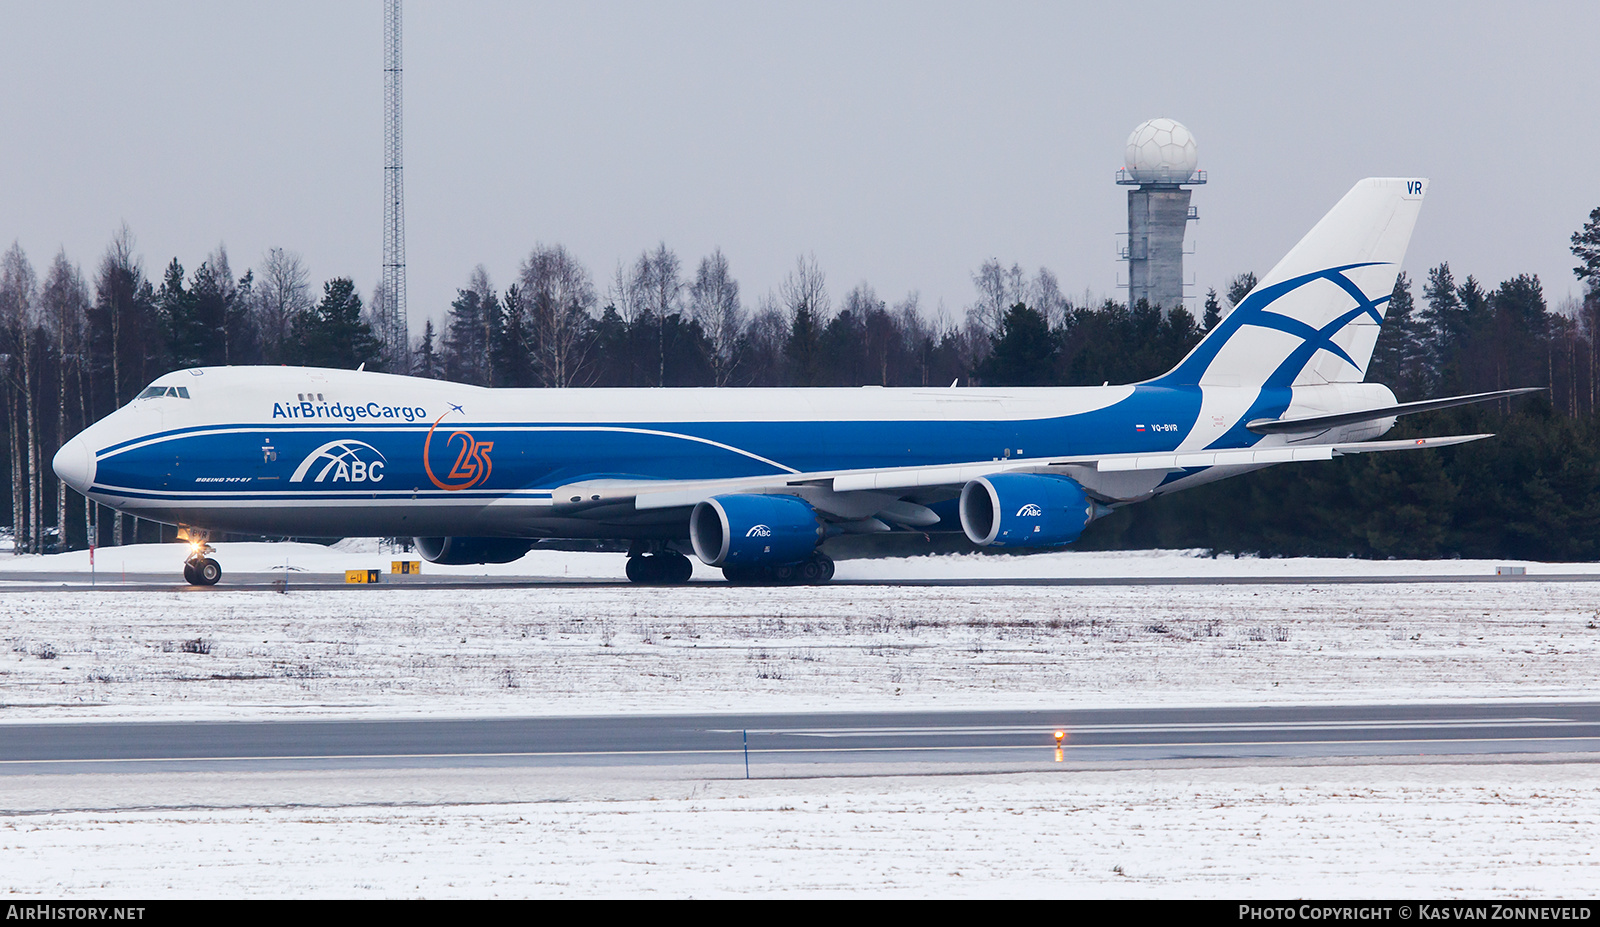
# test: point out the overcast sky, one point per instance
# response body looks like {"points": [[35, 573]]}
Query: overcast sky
{"points": [[902, 143]]}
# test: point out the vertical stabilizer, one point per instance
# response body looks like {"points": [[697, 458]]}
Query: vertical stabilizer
{"points": [[1315, 318]]}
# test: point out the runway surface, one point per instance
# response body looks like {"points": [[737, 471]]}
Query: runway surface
{"points": [[21, 581], [815, 744]]}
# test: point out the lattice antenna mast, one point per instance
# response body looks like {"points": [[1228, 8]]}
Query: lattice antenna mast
{"points": [[396, 334]]}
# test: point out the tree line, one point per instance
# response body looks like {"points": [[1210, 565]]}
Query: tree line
{"points": [[73, 349]]}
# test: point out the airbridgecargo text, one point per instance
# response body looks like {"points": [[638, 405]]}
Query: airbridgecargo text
{"points": [[346, 413]]}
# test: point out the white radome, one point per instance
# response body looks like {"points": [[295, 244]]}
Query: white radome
{"points": [[1161, 151]]}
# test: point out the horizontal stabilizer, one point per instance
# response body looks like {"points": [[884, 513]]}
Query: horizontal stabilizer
{"points": [[1313, 423], [1405, 444]]}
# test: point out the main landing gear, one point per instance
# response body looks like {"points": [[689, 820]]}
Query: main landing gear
{"points": [[659, 568], [199, 569], [812, 572]]}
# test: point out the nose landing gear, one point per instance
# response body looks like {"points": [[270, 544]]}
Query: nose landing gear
{"points": [[199, 569]]}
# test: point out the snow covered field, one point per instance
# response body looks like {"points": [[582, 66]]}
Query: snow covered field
{"points": [[1504, 829], [1497, 831], [221, 653]]}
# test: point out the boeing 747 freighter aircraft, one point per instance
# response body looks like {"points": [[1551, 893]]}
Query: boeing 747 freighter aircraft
{"points": [[756, 481]]}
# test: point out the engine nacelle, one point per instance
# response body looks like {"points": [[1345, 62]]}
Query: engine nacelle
{"points": [[754, 530], [1024, 510], [463, 551]]}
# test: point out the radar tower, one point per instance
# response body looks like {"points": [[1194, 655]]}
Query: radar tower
{"points": [[1161, 161], [394, 332]]}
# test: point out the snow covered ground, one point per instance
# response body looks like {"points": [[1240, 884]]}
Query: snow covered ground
{"points": [[363, 651], [1497, 831], [1354, 831]]}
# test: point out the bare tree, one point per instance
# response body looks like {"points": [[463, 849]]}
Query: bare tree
{"points": [[806, 290], [766, 336], [1047, 298], [714, 303], [625, 296], [559, 296], [656, 290], [117, 289], [65, 305], [375, 316], [282, 294], [917, 335], [805, 297], [990, 307], [1000, 288], [19, 320]]}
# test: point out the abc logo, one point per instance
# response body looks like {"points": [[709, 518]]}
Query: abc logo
{"points": [[343, 461]]}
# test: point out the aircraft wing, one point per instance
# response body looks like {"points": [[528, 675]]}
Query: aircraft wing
{"points": [[876, 492]]}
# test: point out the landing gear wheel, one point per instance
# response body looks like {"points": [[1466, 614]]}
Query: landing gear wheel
{"points": [[189, 575], [679, 569], [669, 568], [817, 570], [208, 571]]}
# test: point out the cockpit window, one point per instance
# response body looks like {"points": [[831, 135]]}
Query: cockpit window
{"points": [[153, 392]]}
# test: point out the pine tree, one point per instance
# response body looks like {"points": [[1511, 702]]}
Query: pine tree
{"points": [[185, 335], [1213, 310], [1400, 358], [333, 333], [1239, 287], [511, 344], [469, 333], [1586, 248], [1023, 351], [426, 360]]}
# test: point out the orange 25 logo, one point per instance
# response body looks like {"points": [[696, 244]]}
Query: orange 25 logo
{"points": [[472, 464]]}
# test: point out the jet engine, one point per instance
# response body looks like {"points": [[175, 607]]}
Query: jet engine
{"points": [[1024, 510], [463, 551], [754, 530]]}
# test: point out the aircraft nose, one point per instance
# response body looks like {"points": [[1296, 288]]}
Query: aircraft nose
{"points": [[75, 463]]}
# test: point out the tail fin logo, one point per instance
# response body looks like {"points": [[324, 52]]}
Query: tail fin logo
{"points": [[472, 464]]}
